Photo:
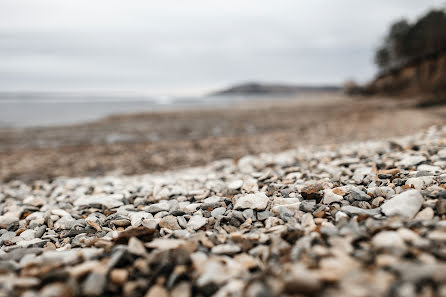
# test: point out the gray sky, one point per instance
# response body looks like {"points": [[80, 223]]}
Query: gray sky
{"points": [[187, 47]]}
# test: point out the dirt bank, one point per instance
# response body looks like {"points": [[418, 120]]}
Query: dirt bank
{"points": [[423, 77]]}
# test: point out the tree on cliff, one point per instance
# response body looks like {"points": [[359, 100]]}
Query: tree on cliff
{"points": [[405, 40]]}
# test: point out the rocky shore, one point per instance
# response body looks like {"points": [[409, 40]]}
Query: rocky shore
{"points": [[357, 219]]}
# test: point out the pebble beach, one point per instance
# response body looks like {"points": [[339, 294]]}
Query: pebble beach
{"points": [[362, 218], [222, 149]]}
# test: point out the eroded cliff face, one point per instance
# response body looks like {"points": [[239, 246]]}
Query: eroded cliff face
{"points": [[424, 76]]}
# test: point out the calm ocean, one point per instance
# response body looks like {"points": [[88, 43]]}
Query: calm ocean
{"points": [[27, 109]]}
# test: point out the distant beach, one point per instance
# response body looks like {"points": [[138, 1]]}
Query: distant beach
{"points": [[147, 138]]}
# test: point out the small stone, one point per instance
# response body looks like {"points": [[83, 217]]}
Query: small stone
{"points": [[65, 223], [340, 215], [386, 192], [308, 206], [181, 290], [250, 186], [136, 218], [139, 232], [157, 291], [83, 269], [93, 221], [320, 212], [392, 172], [388, 239], [384, 176], [34, 201], [285, 213], [192, 207], [360, 173], [406, 204], [249, 214], [40, 231], [169, 222], [157, 207], [441, 207], [437, 235], [165, 244], [257, 201], [212, 200], [338, 191], [424, 173], [425, 215], [412, 161], [196, 222], [429, 168], [263, 215], [218, 212], [308, 221], [415, 182], [95, 284], [312, 191], [5, 221], [235, 185], [286, 193], [299, 281], [108, 201], [119, 276], [121, 222], [60, 212], [28, 234], [408, 235], [363, 204], [182, 222], [359, 195], [353, 210], [150, 223], [330, 197], [377, 201], [442, 153], [136, 246], [56, 290], [226, 249]]}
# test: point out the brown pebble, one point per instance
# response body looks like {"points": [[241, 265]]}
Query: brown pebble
{"points": [[441, 207], [49, 246], [119, 276], [312, 191], [338, 191], [390, 171], [157, 291]]}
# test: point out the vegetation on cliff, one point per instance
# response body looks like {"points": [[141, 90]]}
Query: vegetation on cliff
{"points": [[406, 41]]}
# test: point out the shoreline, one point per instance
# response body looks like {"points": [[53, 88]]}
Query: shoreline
{"points": [[47, 113], [150, 142]]}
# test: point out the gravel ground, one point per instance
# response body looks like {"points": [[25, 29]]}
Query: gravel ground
{"points": [[358, 219]]}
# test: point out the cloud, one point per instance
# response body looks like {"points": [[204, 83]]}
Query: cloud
{"points": [[169, 45]]}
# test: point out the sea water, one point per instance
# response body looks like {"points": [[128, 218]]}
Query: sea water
{"points": [[32, 109]]}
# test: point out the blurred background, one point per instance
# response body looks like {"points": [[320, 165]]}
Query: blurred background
{"points": [[107, 87]]}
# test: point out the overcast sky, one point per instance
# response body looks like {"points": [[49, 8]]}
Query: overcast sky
{"points": [[188, 47]]}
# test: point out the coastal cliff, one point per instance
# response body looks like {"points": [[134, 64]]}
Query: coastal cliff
{"points": [[422, 76], [411, 61]]}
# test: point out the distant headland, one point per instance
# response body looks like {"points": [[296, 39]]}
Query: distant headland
{"points": [[257, 88]]}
